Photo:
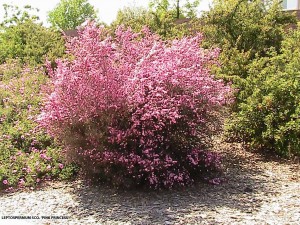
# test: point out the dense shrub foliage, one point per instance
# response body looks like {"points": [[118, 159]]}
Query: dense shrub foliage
{"points": [[269, 115], [245, 30], [30, 42], [27, 154], [134, 109], [251, 35], [253, 26]]}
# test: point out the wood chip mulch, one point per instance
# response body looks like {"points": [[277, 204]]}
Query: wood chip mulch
{"points": [[257, 190]]}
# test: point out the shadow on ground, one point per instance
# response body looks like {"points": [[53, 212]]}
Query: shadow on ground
{"points": [[245, 183]]}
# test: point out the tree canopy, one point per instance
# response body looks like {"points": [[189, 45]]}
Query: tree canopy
{"points": [[69, 14], [14, 15], [177, 8], [160, 17]]}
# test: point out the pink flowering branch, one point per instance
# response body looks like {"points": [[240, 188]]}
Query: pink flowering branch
{"points": [[135, 103]]}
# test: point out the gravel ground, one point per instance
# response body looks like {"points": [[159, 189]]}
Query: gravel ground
{"points": [[256, 191]]}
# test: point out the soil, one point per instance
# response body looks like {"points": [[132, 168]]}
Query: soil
{"points": [[257, 190]]}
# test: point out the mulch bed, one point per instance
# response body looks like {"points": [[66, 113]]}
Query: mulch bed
{"points": [[257, 190]]}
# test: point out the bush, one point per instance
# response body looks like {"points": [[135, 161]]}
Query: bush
{"points": [[134, 109], [253, 26], [269, 116], [31, 43], [253, 59], [28, 155], [245, 30]]}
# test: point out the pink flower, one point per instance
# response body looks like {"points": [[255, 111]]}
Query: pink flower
{"points": [[21, 182], [151, 96], [61, 166], [5, 182], [44, 156], [38, 180]]}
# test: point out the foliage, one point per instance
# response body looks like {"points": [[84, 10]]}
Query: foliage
{"points": [[165, 14], [252, 26], [177, 10], [134, 109], [269, 115], [13, 15], [251, 34], [31, 43], [138, 17], [28, 156], [160, 18], [24, 39], [69, 14], [134, 17], [245, 30]]}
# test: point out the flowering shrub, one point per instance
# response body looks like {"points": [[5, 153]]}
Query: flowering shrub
{"points": [[27, 154], [133, 109]]}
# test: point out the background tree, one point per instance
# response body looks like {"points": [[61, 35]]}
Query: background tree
{"points": [[160, 17], [23, 38], [13, 14], [134, 17], [69, 14], [177, 8]]}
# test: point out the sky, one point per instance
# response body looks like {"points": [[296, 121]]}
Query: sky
{"points": [[107, 9]]}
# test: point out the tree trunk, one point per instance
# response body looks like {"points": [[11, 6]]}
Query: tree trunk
{"points": [[177, 10]]}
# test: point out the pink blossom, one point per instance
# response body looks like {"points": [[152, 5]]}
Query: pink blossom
{"points": [[135, 102], [44, 156], [5, 182], [21, 182], [61, 166]]}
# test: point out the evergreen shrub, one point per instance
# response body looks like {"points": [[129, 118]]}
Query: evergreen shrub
{"points": [[134, 110]]}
